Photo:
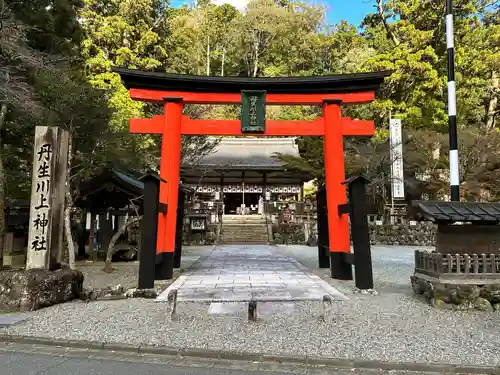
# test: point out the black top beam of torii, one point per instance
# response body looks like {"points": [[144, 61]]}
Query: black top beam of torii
{"points": [[345, 83]]}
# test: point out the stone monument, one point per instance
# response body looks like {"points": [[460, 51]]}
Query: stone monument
{"points": [[50, 161]]}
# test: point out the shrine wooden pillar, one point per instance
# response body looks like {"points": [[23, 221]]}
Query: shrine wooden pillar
{"points": [[169, 187], [338, 225]]}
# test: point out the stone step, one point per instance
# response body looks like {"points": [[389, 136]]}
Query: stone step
{"points": [[239, 225], [237, 240], [245, 243], [245, 229], [245, 237], [244, 219], [248, 229], [236, 235], [248, 217], [253, 223], [242, 234]]}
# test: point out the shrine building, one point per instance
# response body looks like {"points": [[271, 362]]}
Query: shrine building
{"points": [[244, 172]]}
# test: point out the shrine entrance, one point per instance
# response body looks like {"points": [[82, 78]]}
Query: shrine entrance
{"points": [[253, 94], [233, 202]]}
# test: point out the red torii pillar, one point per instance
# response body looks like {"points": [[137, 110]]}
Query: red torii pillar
{"points": [[338, 224], [169, 186]]}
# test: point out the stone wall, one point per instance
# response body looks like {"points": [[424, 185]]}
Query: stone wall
{"points": [[289, 234], [208, 237], [458, 297], [419, 234]]}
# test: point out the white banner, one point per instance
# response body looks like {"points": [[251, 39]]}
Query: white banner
{"points": [[396, 144]]}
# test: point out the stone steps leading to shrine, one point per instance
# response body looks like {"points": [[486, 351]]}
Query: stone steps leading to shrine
{"points": [[244, 219], [234, 233]]}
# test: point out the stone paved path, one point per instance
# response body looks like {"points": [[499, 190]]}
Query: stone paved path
{"points": [[237, 273]]}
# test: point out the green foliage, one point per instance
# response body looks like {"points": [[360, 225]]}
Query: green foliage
{"points": [[271, 38]]}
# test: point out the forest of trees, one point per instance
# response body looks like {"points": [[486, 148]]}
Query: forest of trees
{"points": [[56, 59]]}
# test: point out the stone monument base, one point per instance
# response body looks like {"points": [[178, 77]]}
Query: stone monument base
{"points": [[27, 290], [484, 297]]}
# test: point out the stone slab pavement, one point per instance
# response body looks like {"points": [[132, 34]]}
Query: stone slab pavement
{"points": [[9, 319], [239, 273]]}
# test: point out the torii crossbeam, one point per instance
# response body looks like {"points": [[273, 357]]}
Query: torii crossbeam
{"points": [[330, 92]]}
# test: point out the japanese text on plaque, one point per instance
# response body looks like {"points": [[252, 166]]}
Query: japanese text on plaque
{"points": [[252, 110]]}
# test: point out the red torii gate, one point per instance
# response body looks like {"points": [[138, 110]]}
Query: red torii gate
{"points": [[175, 90]]}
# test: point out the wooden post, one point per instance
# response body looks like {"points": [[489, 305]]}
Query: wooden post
{"points": [[149, 224], [105, 231], [338, 225], [360, 232], [8, 248], [2, 243], [179, 229], [82, 238], [50, 161], [323, 239], [93, 254], [169, 191]]}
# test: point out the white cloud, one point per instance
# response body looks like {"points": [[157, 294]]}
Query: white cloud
{"points": [[238, 4]]}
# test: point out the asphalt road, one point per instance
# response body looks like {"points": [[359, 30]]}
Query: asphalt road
{"points": [[20, 363], [21, 359]]}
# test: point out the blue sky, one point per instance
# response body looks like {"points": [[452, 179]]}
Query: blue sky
{"points": [[351, 10]]}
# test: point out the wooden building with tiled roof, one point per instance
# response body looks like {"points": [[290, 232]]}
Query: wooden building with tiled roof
{"points": [[242, 170]]}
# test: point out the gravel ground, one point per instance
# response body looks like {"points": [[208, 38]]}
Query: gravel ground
{"points": [[127, 273], [392, 326], [392, 268]]}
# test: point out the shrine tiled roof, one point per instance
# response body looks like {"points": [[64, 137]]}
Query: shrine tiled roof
{"points": [[250, 153], [458, 211]]}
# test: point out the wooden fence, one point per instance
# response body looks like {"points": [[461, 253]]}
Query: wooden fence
{"points": [[457, 266]]}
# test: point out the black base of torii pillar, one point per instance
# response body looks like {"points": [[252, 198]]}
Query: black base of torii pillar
{"points": [[149, 225], [341, 263], [322, 222], [153, 266]]}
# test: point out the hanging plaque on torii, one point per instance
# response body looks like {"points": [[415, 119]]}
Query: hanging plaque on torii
{"points": [[253, 111]]}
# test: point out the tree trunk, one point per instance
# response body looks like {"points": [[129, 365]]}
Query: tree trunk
{"points": [[69, 208], [388, 30], [256, 59], [493, 102], [112, 242], [208, 55], [93, 254], [3, 116], [223, 62]]}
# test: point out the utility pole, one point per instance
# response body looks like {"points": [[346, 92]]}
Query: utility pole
{"points": [[452, 106]]}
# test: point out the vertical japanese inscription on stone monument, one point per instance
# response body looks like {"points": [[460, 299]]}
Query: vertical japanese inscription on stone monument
{"points": [[253, 111], [47, 197], [40, 222]]}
